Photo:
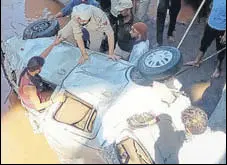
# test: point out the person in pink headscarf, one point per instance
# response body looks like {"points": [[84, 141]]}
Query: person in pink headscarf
{"points": [[139, 32]]}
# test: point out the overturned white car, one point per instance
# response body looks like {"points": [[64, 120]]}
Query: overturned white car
{"points": [[110, 112]]}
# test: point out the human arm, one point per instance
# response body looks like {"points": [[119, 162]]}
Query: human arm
{"points": [[77, 33], [104, 26], [59, 14], [110, 37], [32, 93], [84, 55], [67, 10], [46, 52], [112, 56]]}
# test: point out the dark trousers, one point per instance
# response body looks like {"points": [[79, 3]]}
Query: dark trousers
{"points": [[174, 7], [209, 35]]}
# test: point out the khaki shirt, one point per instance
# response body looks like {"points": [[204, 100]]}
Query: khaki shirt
{"points": [[99, 22]]}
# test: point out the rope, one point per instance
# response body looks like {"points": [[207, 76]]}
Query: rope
{"points": [[205, 59]]}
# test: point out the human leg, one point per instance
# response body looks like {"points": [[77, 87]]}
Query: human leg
{"points": [[142, 10], [160, 21], [173, 12], [208, 36], [221, 55]]}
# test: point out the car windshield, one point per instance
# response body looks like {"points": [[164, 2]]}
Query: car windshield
{"points": [[131, 152], [77, 113]]}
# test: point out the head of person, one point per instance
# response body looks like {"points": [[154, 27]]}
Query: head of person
{"points": [[124, 7], [35, 65], [139, 31], [195, 120], [82, 14]]}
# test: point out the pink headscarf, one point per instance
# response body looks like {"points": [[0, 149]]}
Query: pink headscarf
{"points": [[142, 28]]}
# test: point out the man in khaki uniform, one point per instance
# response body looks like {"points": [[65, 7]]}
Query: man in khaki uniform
{"points": [[89, 17]]}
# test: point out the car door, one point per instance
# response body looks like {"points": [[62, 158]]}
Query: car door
{"points": [[127, 149]]}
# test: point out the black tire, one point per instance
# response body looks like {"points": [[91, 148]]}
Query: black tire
{"points": [[41, 28], [171, 59]]}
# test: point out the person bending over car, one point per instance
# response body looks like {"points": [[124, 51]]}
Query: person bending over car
{"points": [[31, 86], [91, 18], [67, 10]]}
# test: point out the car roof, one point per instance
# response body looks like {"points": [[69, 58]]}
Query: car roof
{"points": [[98, 81]]}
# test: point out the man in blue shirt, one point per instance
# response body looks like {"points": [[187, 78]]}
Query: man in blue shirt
{"points": [[67, 10], [215, 29]]}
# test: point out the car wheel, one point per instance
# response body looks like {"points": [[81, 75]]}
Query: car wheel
{"points": [[160, 63], [41, 28]]}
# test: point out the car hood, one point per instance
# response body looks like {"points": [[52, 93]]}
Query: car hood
{"points": [[99, 80], [58, 63]]}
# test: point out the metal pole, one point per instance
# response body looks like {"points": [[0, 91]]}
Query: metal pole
{"points": [[189, 27], [203, 60]]}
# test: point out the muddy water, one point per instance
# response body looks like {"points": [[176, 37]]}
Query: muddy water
{"points": [[18, 142]]}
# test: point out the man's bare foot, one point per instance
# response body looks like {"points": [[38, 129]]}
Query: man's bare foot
{"points": [[216, 73], [192, 63]]}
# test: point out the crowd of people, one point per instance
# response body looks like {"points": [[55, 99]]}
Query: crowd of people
{"points": [[123, 24]]}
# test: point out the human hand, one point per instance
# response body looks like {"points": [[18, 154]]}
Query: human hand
{"points": [[58, 15], [60, 98], [83, 58], [114, 57]]}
